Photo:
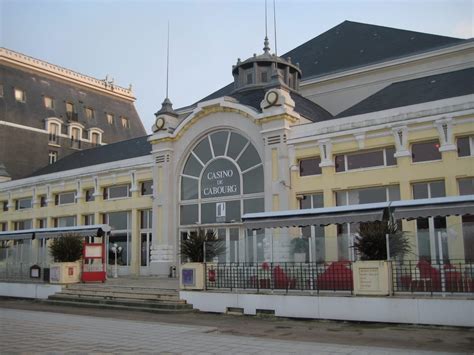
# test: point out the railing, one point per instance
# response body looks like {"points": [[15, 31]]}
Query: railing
{"points": [[420, 276], [285, 276], [424, 276]]}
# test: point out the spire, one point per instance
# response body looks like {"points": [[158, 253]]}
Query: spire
{"points": [[266, 45], [167, 108]]}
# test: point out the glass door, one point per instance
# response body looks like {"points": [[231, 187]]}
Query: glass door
{"points": [[145, 246]]}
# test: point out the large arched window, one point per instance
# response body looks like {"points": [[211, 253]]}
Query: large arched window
{"points": [[222, 178]]}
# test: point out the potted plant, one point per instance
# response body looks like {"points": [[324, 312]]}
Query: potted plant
{"points": [[197, 248], [373, 272], [299, 249], [66, 252]]}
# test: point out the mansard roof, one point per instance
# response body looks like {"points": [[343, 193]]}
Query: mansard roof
{"points": [[352, 44], [128, 149], [415, 91]]}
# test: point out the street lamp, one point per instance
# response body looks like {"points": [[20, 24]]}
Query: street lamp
{"points": [[116, 249]]}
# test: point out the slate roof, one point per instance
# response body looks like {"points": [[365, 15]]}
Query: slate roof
{"points": [[131, 148], [353, 44], [303, 106], [415, 91]]}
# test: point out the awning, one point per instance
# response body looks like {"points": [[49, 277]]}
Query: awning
{"points": [[317, 216], [83, 231], [433, 207], [405, 209]]}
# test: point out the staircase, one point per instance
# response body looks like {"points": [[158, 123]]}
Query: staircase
{"points": [[121, 297]]}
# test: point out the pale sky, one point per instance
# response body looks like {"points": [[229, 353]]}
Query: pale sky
{"points": [[127, 39]]}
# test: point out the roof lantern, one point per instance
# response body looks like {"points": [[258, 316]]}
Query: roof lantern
{"points": [[266, 70]]}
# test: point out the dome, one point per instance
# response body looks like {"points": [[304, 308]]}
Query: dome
{"points": [[264, 69]]}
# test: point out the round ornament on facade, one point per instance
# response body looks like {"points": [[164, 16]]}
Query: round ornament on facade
{"points": [[272, 97], [160, 123]]}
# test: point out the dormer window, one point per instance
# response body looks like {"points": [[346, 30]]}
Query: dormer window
{"points": [[70, 112], [48, 102], [125, 122], [75, 138], [53, 130], [89, 113], [95, 138], [20, 95], [264, 77], [110, 119], [249, 78]]}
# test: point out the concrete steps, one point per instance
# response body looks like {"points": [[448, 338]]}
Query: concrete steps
{"points": [[147, 299]]}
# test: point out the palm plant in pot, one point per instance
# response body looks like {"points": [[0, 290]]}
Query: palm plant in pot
{"points": [[373, 273], [66, 251], [197, 248]]}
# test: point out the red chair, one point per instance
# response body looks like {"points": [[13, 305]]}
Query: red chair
{"points": [[281, 280], [430, 274], [338, 276]]}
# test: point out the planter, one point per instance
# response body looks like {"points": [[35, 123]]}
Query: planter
{"points": [[65, 273], [192, 276], [372, 277]]}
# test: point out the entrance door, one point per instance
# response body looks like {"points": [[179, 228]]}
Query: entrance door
{"points": [[145, 246]]}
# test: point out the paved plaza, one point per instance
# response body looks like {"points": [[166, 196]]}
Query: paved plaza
{"points": [[26, 331]]}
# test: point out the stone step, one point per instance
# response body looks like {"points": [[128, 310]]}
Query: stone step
{"points": [[123, 294], [139, 289], [121, 302], [143, 308]]}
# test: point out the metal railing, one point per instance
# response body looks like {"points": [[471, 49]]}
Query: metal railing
{"points": [[284, 276], [432, 276], [411, 276]]}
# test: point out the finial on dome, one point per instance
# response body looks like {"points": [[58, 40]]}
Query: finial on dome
{"points": [[266, 45]]}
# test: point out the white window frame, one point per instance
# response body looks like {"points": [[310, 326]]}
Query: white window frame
{"points": [[347, 170], [108, 188], [471, 146], [18, 202], [63, 194], [52, 157], [110, 118], [125, 122], [98, 132]]}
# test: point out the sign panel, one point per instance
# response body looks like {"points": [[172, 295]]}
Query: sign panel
{"points": [[220, 178], [93, 251], [188, 277]]}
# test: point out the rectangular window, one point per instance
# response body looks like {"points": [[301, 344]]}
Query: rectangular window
{"points": [[110, 118], [20, 95], [68, 221], [147, 187], [310, 166], [125, 122], [90, 195], [75, 138], [22, 225], [48, 102], [3, 226], [42, 223], [95, 138], [89, 113], [5, 206], [23, 203], [88, 219], [363, 160], [146, 217], [466, 186], [428, 189], [368, 195], [65, 198], [43, 202], [311, 201], [53, 129], [425, 151], [71, 112], [264, 77], [249, 78], [52, 156], [465, 146], [120, 191]]}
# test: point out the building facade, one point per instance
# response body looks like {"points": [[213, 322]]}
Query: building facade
{"points": [[374, 129], [49, 112]]}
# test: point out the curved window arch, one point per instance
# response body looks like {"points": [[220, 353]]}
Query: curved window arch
{"points": [[222, 178]]}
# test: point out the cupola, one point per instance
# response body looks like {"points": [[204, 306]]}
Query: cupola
{"points": [[266, 70]]}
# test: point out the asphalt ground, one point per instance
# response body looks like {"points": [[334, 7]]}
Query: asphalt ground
{"points": [[410, 337]]}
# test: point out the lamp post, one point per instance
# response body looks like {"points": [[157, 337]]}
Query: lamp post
{"points": [[114, 249]]}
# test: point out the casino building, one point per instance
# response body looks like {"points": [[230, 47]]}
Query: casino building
{"points": [[359, 114]]}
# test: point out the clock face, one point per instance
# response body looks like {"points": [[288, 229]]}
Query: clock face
{"points": [[272, 97], [160, 123]]}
